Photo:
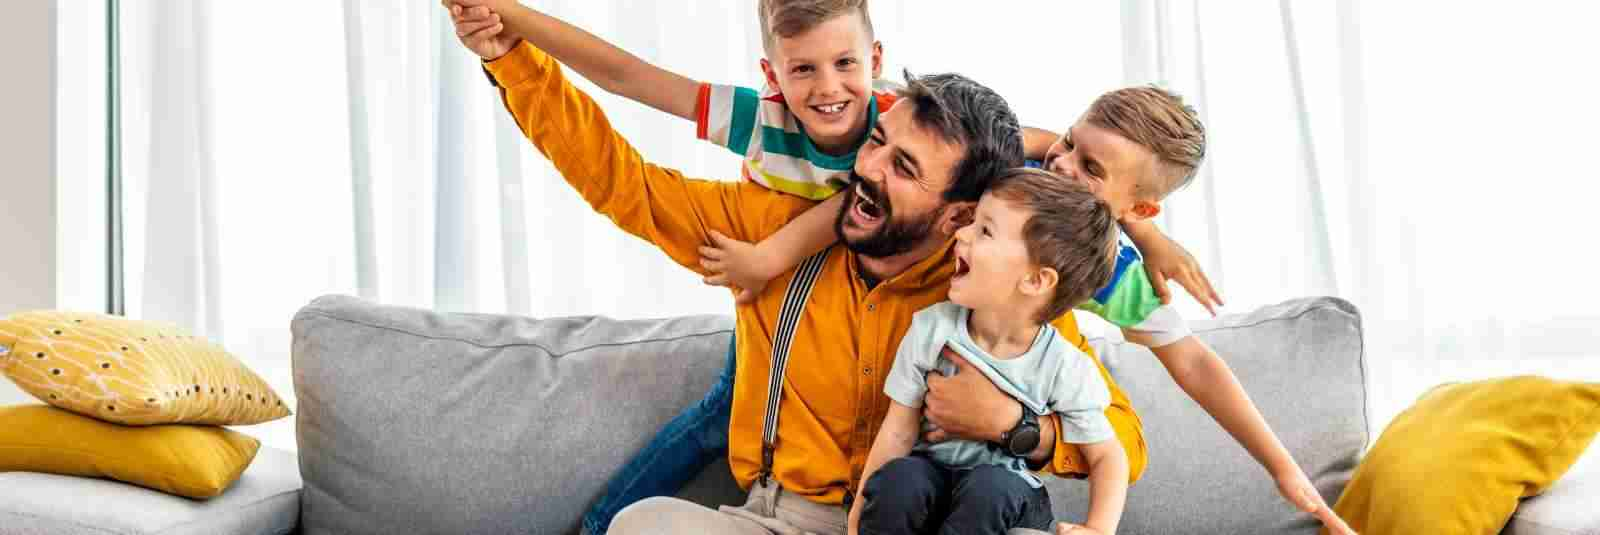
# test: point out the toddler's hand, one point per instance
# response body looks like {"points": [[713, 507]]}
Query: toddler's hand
{"points": [[479, 28], [738, 265]]}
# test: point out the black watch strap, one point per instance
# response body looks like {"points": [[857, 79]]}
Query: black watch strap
{"points": [[1023, 437]]}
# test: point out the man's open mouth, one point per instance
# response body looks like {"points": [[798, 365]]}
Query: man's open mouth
{"points": [[867, 210], [830, 110]]}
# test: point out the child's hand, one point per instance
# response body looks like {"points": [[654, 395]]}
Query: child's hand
{"points": [[1300, 492], [1065, 528], [1166, 260], [738, 265], [480, 30]]}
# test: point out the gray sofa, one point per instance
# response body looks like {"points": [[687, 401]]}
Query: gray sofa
{"points": [[413, 421], [420, 422]]}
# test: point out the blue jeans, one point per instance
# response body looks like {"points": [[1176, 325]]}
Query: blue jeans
{"points": [[675, 456]]}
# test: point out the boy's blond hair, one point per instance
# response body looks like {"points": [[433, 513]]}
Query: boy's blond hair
{"points": [[788, 18], [1069, 230], [1158, 120]]}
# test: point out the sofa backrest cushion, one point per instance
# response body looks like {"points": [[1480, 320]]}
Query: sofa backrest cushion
{"points": [[411, 421]]}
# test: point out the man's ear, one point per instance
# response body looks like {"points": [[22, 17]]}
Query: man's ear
{"points": [[877, 59], [772, 77], [956, 215], [1143, 209], [1042, 281]]}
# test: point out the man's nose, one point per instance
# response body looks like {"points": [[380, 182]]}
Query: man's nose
{"points": [[877, 163]]}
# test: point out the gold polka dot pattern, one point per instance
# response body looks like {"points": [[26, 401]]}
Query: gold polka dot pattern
{"points": [[131, 372]]}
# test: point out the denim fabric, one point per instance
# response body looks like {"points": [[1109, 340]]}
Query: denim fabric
{"points": [[912, 495], [674, 457]]}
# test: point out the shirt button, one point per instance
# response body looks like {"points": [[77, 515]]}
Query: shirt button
{"points": [[866, 371], [871, 307]]}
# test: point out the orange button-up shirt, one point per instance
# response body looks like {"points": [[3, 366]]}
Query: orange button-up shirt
{"points": [[845, 343]]}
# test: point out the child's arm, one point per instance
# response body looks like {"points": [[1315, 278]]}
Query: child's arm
{"points": [[1165, 259], [1036, 141], [895, 439], [1108, 485], [1208, 380], [609, 67], [748, 267]]}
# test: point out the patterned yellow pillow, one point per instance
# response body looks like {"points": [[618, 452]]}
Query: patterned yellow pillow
{"points": [[131, 372]]}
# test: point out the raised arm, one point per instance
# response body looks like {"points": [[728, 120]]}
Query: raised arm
{"points": [[658, 204], [609, 67]]}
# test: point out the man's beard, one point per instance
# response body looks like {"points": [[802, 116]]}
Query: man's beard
{"points": [[892, 237]]}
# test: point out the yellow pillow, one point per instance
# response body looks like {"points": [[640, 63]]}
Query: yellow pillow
{"points": [[187, 460], [1458, 460], [131, 372]]}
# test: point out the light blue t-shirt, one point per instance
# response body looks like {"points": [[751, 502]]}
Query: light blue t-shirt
{"points": [[1052, 376]]}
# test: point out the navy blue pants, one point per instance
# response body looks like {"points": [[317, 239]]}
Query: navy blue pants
{"points": [[914, 495]]}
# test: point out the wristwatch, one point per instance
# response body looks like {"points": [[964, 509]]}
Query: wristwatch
{"points": [[1022, 439]]}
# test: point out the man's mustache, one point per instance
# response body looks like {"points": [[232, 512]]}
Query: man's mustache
{"points": [[871, 190]]}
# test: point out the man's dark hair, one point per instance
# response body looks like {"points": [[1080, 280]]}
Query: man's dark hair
{"points": [[965, 112]]}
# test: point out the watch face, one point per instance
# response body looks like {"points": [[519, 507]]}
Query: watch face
{"points": [[1024, 440]]}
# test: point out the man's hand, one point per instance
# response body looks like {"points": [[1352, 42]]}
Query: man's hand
{"points": [[480, 29], [1067, 528], [1300, 492], [1165, 259], [967, 405], [738, 265]]}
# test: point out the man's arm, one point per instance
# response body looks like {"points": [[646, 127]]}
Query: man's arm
{"points": [[967, 405], [652, 202], [609, 67]]}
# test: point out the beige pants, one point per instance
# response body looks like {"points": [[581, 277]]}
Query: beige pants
{"points": [[768, 511]]}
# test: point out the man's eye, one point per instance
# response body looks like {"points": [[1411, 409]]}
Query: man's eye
{"points": [[847, 63], [985, 230], [902, 168]]}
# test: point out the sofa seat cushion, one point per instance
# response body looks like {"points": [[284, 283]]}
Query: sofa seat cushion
{"points": [[1568, 508], [265, 501]]}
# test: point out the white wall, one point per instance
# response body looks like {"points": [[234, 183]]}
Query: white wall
{"points": [[27, 163]]}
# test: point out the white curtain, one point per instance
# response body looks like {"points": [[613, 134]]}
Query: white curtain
{"points": [[1423, 160], [277, 151]]}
